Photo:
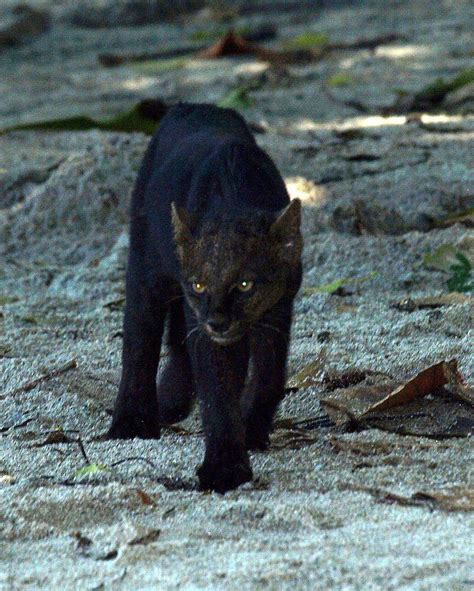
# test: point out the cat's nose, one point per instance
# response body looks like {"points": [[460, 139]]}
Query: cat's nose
{"points": [[218, 324]]}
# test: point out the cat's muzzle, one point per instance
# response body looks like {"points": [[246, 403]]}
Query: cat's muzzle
{"points": [[223, 337]]}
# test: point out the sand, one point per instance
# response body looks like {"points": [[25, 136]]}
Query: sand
{"points": [[321, 513]]}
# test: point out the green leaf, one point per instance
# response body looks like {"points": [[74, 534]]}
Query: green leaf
{"points": [[441, 259], [160, 66], [308, 40], [237, 99], [436, 91], [143, 117], [337, 284], [340, 79], [5, 299], [89, 470], [461, 275]]}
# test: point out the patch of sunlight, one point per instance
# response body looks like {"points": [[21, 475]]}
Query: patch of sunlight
{"points": [[442, 118], [402, 51], [251, 68], [302, 188], [351, 123], [138, 83]]}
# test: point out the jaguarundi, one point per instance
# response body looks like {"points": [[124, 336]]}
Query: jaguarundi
{"points": [[215, 257]]}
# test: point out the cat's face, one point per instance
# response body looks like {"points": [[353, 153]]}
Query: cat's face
{"points": [[234, 273]]}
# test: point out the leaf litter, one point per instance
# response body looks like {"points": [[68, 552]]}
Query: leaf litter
{"points": [[434, 403]]}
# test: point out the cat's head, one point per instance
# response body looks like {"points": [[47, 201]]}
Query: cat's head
{"points": [[234, 271]]}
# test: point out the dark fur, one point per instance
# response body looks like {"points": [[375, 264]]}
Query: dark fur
{"points": [[208, 206]]}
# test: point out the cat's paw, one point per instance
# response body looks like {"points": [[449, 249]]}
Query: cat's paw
{"points": [[222, 478], [128, 426]]}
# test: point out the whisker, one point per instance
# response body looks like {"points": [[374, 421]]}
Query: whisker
{"points": [[190, 333], [174, 299]]}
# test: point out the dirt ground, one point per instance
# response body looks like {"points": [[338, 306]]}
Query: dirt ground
{"points": [[331, 507]]}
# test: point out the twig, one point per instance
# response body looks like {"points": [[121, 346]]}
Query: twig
{"points": [[82, 450], [72, 364]]}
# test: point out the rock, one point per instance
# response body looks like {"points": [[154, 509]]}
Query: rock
{"points": [[22, 23]]}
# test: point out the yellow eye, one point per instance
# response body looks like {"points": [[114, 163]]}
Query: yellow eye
{"points": [[199, 287], [245, 286]]}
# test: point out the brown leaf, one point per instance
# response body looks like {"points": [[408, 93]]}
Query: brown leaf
{"points": [[447, 413], [453, 499], [57, 436], [310, 375], [231, 44], [433, 302], [145, 498], [427, 381], [147, 538]]}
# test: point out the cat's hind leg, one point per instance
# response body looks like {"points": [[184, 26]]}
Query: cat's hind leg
{"points": [[136, 410], [175, 380]]}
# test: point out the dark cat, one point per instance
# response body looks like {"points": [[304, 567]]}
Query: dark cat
{"points": [[215, 250]]}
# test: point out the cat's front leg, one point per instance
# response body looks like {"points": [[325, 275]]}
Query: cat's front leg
{"points": [[136, 408], [219, 374], [267, 373]]}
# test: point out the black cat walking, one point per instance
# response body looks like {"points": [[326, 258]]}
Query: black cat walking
{"points": [[214, 266]]}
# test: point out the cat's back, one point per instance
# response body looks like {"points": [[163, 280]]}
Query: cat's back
{"points": [[188, 120]]}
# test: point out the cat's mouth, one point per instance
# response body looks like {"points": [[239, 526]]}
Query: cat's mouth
{"points": [[232, 335]]}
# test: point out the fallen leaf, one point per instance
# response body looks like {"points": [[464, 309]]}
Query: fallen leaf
{"points": [[238, 98], [232, 44], [147, 538], [452, 499], [336, 285], [427, 381], [432, 302], [309, 40], [466, 218], [291, 438], [442, 258], [446, 413], [430, 96], [262, 33], [89, 470], [455, 498], [53, 437], [310, 375], [143, 117], [145, 497], [339, 79]]}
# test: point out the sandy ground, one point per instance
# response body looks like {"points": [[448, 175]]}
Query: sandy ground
{"points": [[322, 512]]}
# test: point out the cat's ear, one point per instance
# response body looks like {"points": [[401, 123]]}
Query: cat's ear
{"points": [[181, 232], [286, 231]]}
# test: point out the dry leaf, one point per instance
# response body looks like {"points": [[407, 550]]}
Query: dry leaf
{"points": [[147, 538], [446, 414], [233, 44], [145, 498], [452, 499], [427, 381], [309, 375], [448, 299]]}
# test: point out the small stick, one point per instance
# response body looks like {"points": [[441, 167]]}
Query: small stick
{"points": [[72, 364]]}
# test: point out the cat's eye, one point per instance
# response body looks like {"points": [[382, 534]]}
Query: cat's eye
{"points": [[245, 286], [198, 287]]}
